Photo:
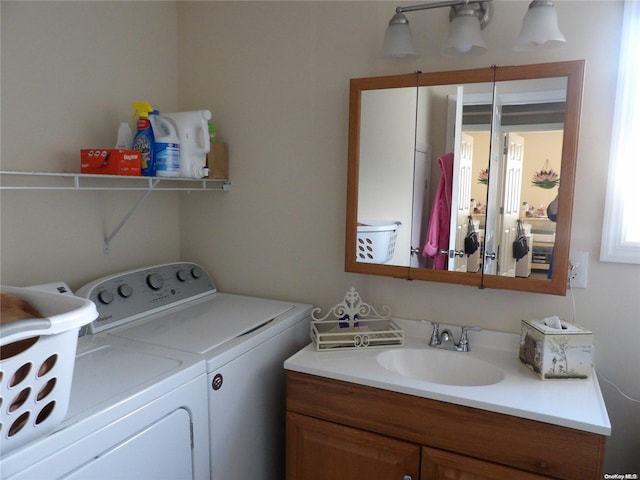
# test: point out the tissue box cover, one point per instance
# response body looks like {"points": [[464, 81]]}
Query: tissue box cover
{"points": [[110, 161], [556, 354]]}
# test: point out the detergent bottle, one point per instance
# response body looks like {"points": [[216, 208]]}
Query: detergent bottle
{"points": [[143, 141], [166, 147], [125, 139], [193, 131]]}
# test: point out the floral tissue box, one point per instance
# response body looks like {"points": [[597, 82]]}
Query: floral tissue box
{"points": [[555, 349]]}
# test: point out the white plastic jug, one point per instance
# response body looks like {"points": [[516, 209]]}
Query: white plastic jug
{"points": [[193, 131]]}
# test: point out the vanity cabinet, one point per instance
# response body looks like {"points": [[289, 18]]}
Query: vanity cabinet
{"points": [[338, 429]]}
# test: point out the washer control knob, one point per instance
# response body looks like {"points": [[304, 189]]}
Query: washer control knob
{"points": [[125, 290], [196, 272], [105, 297], [183, 275], [155, 281]]}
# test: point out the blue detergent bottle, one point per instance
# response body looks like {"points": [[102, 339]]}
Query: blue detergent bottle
{"points": [[144, 140], [166, 146]]}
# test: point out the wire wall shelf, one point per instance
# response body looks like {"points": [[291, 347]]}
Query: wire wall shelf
{"points": [[12, 180], [41, 181]]}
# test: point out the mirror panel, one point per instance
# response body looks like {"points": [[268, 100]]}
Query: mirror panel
{"points": [[446, 103], [359, 88], [438, 233], [550, 250], [386, 172], [400, 126], [526, 171]]}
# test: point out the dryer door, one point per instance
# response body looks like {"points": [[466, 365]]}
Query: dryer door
{"points": [[162, 450], [159, 450]]}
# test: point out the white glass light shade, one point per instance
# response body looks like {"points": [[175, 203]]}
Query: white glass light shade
{"points": [[464, 36], [539, 28], [398, 41]]}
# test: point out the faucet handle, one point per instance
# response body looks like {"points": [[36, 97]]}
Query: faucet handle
{"points": [[435, 335], [463, 344]]}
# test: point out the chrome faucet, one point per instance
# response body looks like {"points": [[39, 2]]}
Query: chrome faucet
{"points": [[445, 339]]}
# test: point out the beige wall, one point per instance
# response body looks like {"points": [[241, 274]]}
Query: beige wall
{"points": [[70, 71], [276, 77]]}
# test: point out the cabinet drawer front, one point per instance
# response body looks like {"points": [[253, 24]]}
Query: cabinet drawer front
{"points": [[319, 450], [441, 465]]}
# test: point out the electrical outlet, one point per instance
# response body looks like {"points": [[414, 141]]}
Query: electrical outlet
{"points": [[579, 265]]}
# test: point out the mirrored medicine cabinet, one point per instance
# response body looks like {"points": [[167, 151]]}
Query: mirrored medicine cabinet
{"points": [[433, 156]]}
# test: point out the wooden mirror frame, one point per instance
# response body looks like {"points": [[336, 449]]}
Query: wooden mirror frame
{"points": [[557, 285]]}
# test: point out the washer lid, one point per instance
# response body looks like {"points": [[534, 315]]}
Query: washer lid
{"points": [[110, 371], [205, 324]]}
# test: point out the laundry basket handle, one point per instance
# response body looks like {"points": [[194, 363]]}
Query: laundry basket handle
{"points": [[34, 326]]}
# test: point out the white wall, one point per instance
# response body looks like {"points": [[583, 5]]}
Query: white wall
{"points": [[275, 75]]}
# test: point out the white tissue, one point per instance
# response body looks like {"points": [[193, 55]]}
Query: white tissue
{"points": [[553, 322]]}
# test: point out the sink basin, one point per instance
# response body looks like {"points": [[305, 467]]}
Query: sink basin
{"points": [[440, 366]]}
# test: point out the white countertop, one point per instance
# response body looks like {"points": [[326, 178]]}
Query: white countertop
{"points": [[570, 403]]}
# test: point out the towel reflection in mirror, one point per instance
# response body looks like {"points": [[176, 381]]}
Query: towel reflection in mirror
{"points": [[438, 231]]}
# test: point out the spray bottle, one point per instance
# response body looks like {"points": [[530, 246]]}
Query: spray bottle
{"points": [[143, 140], [166, 147]]}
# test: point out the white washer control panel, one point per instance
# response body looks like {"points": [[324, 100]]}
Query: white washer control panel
{"points": [[127, 296]]}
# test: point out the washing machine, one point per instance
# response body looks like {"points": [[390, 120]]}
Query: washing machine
{"points": [[135, 411], [243, 341]]}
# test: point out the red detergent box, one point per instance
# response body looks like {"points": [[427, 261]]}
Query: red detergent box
{"points": [[110, 161]]}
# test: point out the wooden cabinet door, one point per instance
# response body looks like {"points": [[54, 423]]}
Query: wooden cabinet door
{"points": [[319, 450], [441, 465]]}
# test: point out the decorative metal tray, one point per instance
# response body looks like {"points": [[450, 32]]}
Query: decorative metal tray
{"points": [[354, 324]]}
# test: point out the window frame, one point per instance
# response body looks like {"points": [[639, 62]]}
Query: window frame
{"points": [[618, 204]]}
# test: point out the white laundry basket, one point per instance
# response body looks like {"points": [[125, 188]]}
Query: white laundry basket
{"points": [[35, 381], [376, 241]]}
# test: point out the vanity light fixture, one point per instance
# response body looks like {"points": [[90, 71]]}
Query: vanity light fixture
{"points": [[464, 33], [539, 28], [467, 19]]}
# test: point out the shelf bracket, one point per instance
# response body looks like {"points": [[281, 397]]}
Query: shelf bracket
{"points": [[107, 240]]}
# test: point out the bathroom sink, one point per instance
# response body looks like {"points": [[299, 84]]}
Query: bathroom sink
{"points": [[440, 366]]}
